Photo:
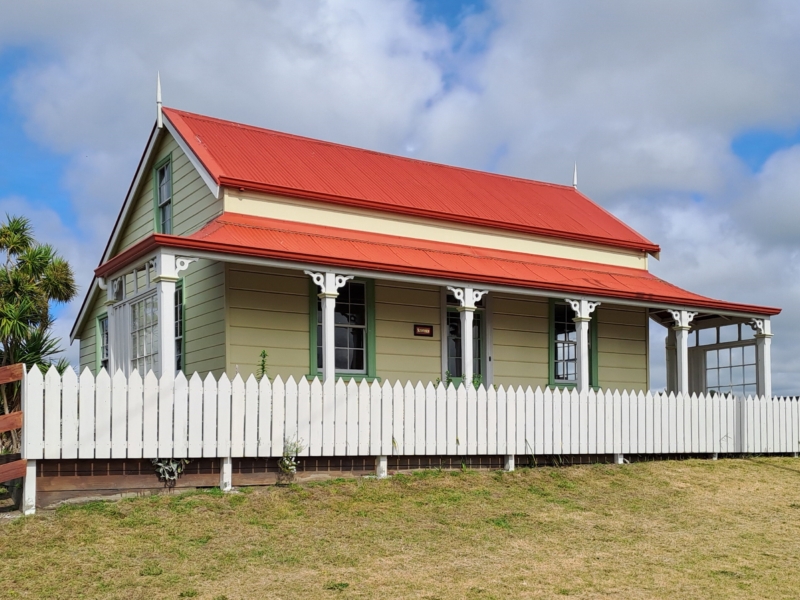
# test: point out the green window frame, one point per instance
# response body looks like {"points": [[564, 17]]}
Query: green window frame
{"points": [[180, 327], [551, 334], [163, 205], [479, 348], [369, 336], [102, 339]]}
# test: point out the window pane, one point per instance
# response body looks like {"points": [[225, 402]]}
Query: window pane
{"points": [[736, 357], [712, 379], [358, 315], [358, 293], [711, 359], [737, 375], [750, 355], [341, 337], [356, 360], [724, 377], [750, 374], [356, 339], [341, 359], [724, 357], [341, 314], [729, 333]]}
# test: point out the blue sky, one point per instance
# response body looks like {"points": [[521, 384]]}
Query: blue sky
{"points": [[684, 117]]}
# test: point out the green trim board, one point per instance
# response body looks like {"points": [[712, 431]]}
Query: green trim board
{"points": [[98, 341], [156, 213], [313, 368], [551, 350]]}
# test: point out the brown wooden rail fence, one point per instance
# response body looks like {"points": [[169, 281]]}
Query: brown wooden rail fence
{"points": [[17, 468]]}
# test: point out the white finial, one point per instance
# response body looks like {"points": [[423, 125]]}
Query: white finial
{"points": [[575, 176], [159, 119]]}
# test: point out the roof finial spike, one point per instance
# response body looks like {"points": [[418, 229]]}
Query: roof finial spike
{"points": [[575, 176], [159, 119]]}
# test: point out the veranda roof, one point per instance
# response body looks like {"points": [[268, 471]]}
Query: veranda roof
{"points": [[243, 235]]}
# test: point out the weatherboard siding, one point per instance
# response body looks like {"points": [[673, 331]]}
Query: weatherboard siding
{"points": [[204, 301], [400, 355], [622, 347], [193, 203], [267, 310], [520, 343], [88, 342]]}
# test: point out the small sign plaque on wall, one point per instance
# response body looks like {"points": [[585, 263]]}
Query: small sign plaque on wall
{"points": [[423, 330]]}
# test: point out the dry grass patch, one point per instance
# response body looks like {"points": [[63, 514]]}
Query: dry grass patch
{"points": [[724, 529]]}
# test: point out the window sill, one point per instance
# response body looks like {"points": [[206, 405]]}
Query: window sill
{"points": [[347, 377]]}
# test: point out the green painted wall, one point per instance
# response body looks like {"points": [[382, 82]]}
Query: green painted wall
{"points": [[205, 302], [88, 349], [623, 347], [399, 354], [267, 310]]}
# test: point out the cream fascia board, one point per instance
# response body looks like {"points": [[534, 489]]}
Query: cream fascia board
{"points": [[373, 221], [421, 280], [196, 163]]}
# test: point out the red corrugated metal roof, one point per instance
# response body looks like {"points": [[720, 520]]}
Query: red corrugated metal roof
{"points": [[259, 159], [238, 234]]}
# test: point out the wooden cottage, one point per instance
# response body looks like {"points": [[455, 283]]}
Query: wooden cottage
{"points": [[344, 262]]}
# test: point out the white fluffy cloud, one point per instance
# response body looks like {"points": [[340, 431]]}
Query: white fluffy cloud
{"points": [[647, 97]]}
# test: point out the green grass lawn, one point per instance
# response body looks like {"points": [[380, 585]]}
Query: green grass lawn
{"points": [[691, 529]]}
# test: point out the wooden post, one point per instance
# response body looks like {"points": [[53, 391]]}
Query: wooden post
{"points": [[467, 298], [29, 489], [381, 467], [226, 474], [510, 464], [583, 310], [619, 459], [683, 320], [329, 284], [763, 359]]}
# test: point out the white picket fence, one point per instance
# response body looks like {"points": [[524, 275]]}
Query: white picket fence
{"points": [[69, 417]]}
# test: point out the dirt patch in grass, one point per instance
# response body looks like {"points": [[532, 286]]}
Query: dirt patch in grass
{"points": [[692, 529]]}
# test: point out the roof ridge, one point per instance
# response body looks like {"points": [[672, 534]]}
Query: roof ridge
{"points": [[370, 151]]}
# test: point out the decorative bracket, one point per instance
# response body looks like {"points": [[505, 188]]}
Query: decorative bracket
{"points": [[683, 318], [328, 283], [182, 263], [583, 308], [467, 297], [762, 327]]}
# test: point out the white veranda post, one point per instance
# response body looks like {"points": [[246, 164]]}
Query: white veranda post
{"points": [[467, 298], [583, 310], [763, 331], [329, 285], [168, 270], [683, 320]]}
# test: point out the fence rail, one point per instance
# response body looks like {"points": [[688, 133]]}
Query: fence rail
{"points": [[103, 417]]}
